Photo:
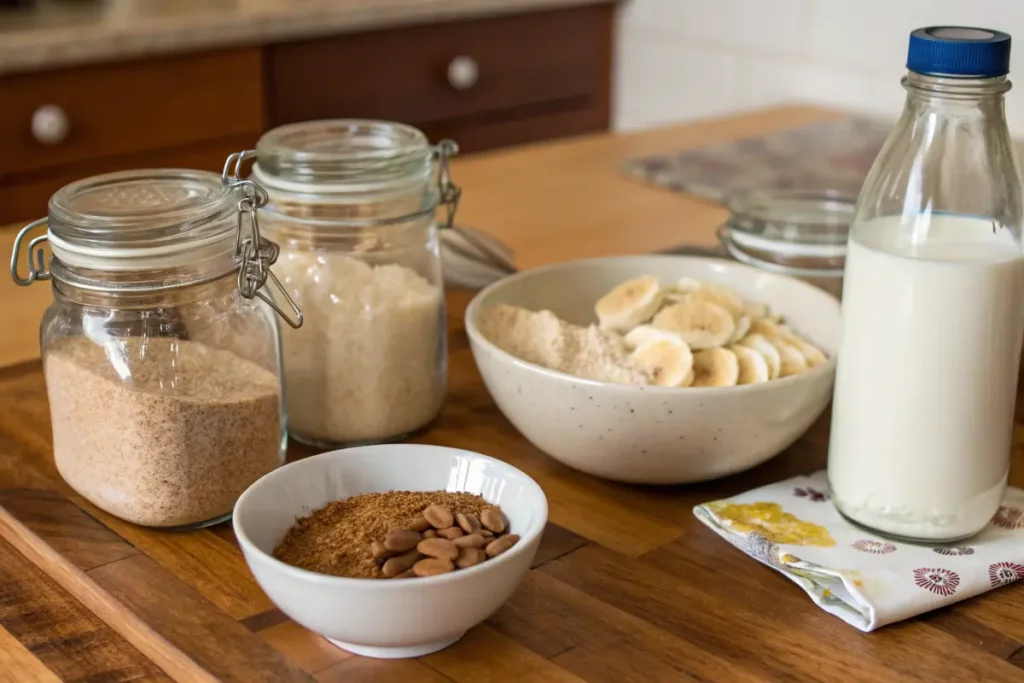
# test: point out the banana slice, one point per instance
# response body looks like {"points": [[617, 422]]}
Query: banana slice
{"points": [[667, 362], [768, 329], [792, 361], [812, 354], [701, 324], [629, 304], [642, 334], [753, 366], [686, 285], [742, 328], [766, 349], [717, 367], [689, 379], [755, 310], [720, 296]]}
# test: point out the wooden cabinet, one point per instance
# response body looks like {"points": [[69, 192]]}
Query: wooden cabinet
{"points": [[484, 82], [185, 110]]}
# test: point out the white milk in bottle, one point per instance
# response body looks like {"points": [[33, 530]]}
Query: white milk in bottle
{"points": [[933, 304]]}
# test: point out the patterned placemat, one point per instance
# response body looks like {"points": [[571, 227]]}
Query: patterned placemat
{"points": [[834, 155]]}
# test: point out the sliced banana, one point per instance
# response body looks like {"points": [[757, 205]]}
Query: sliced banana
{"points": [[792, 361], [753, 366], [689, 379], [766, 349], [642, 334], [667, 362], [742, 328], [716, 294], [701, 324], [812, 354], [768, 329], [686, 285], [630, 304], [755, 310], [717, 367], [674, 297]]}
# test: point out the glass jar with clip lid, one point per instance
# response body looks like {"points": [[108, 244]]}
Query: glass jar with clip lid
{"points": [[161, 348], [352, 204]]}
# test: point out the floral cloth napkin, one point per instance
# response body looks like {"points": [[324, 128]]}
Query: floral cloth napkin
{"points": [[865, 580]]}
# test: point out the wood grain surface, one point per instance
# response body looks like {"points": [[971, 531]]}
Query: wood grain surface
{"points": [[627, 585]]}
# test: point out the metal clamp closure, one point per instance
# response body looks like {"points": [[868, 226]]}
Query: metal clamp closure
{"points": [[256, 253], [36, 268], [448, 192]]}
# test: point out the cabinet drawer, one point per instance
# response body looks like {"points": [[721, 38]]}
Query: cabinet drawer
{"points": [[25, 199], [115, 109], [522, 63]]}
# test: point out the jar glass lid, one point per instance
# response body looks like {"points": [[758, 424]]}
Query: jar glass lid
{"points": [[354, 152], [139, 219], [793, 216]]}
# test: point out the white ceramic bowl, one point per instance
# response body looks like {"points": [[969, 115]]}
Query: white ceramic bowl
{"points": [[379, 617], [655, 435]]}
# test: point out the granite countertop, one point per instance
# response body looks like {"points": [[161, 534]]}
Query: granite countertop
{"points": [[67, 32]]}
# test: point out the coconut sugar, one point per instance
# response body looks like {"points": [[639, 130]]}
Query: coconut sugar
{"points": [[158, 431], [367, 364], [541, 337], [336, 539]]}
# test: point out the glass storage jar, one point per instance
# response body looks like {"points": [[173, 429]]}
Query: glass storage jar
{"points": [[352, 204], [160, 351]]}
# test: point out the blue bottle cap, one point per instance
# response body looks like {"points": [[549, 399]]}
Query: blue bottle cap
{"points": [[959, 51]]}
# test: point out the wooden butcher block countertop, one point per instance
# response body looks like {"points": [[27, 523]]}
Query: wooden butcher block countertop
{"points": [[627, 585]]}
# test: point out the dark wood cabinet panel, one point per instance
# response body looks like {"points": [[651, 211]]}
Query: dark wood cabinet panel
{"points": [[533, 70], [116, 109], [27, 199], [538, 75]]}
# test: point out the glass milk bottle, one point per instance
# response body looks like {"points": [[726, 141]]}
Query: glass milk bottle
{"points": [[933, 303]]}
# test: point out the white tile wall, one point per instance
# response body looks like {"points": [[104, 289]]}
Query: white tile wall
{"points": [[685, 59]]}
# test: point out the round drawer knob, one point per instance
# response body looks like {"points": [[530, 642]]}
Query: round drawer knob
{"points": [[50, 125], [463, 72]]}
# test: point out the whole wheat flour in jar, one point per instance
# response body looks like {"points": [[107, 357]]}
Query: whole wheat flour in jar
{"points": [[368, 363], [541, 337], [158, 431]]}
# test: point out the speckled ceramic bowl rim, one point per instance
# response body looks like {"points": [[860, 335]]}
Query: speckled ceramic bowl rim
{"points": [[477, 337], [525, 538]]}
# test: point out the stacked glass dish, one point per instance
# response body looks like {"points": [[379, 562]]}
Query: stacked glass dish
{"points": [[792, 232]]}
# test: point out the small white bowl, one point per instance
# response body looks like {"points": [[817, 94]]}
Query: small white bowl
{"points": [[655, 435], [380, 617]]}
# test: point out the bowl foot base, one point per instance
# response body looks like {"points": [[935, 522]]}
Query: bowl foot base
{"points": [[396, 652]]}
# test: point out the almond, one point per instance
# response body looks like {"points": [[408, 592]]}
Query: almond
{"points": [[451, 533], [379, 552], [469, 522], [439, 516], [400, 563], [501, 544], [471, 541], [440, 548], [469, 557], [493, 520], [420, 524], [433, 566], [401, 540], [407, 574]]}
